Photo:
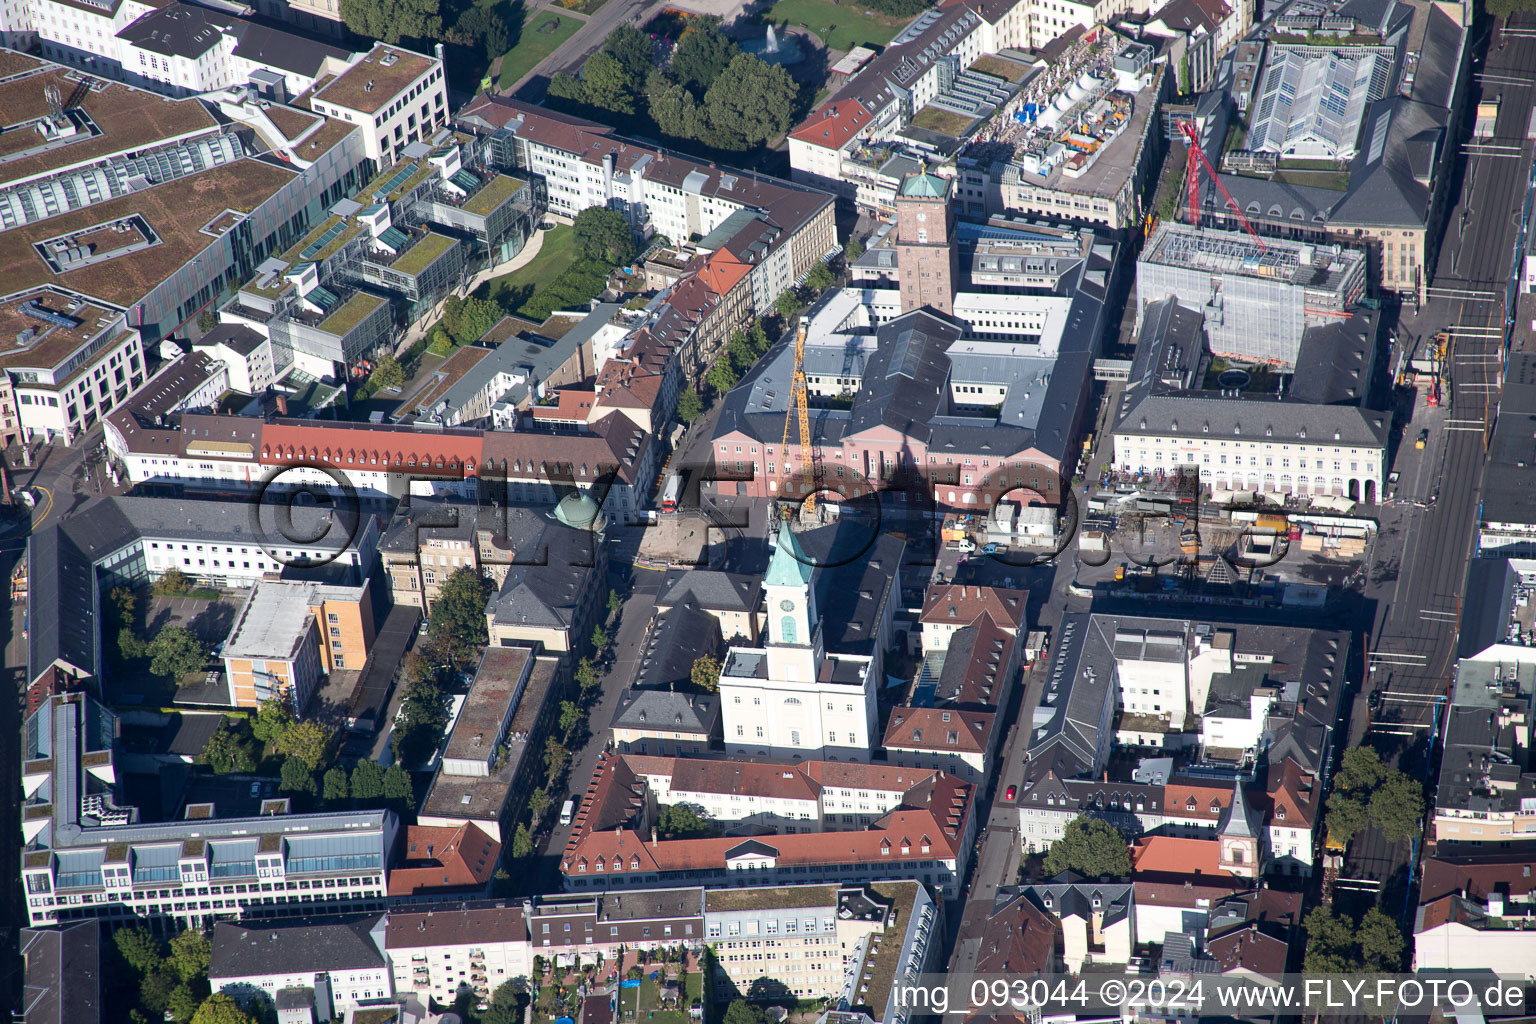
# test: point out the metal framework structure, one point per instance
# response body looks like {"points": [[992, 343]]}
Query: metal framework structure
{"points": [[1197, 161], [799, 408]]}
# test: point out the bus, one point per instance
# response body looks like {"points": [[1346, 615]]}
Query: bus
{"points": [[671, 491]]}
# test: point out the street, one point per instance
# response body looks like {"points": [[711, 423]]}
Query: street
{"points": [[1417, 595]]}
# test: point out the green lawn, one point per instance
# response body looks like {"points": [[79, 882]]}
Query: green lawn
{"points": [[543, 31], [556, 255], [840, 26]]}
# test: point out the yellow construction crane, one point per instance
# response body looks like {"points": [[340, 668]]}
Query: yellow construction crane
{"points": [[799, 406]]}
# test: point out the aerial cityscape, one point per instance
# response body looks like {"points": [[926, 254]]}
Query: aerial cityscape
{"points": [[768, 511]]}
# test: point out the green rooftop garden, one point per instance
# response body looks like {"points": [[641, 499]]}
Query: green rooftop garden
{"points": [[496, 191], [946, 122], [350, 313], [421, 255]]}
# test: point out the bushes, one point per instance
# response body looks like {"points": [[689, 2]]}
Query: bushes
{"points": [[583, 282]]}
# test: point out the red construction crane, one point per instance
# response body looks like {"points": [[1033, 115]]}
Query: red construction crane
{"points": [[1197, 160]]}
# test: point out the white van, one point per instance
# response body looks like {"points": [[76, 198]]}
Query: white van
{"points": [[567, 812]]}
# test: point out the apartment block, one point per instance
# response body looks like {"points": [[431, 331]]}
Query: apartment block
{"points": [[338, 963], [440, 952]]}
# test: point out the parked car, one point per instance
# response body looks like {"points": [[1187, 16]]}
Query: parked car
{"points": [[1011, 792], [1423, 439]]}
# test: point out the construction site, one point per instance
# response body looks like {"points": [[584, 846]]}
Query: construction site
{"points": [[1258, 295]]}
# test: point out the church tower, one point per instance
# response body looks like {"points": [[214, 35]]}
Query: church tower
{"points": [[927, 258], [1241, 847], [794, 624]]}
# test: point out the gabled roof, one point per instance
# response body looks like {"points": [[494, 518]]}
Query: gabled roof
{"points": [[444, 858], [259, 949]]}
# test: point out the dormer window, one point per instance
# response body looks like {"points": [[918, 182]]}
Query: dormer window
{"points": [[1280, 813]]}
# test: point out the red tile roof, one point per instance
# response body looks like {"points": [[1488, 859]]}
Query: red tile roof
{"points": [[932, 814], [1018, 939], [1477, 875], [1251, 950], [925, 729], [572, 404], [444, 858], [1292, 797], [963, 604], [722, 272], [834, 124], [394, 449], [1189, 798], [1176, 856]]}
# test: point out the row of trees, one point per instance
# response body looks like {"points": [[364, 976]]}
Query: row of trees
{"points": [[1366, 791], [572, 726], [1336, 944], [164, 981], [709, 92]]}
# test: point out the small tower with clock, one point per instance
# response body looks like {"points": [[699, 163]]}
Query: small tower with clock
{"points": [[794, 627], [927, 257]]}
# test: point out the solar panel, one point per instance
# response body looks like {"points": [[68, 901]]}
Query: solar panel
{"points": [[395, 181], [324, 240]]}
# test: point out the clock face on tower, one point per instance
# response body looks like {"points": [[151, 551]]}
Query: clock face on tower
{"points": [[786, 605]]}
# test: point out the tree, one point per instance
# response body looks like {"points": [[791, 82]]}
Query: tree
{"points": [[675, 110], [706, 673], [1345, 817], [155, 990], [1381, 942], [367, 780], [173, 582], [453, 310], [1360, 769], [1396, 807], [599, 638], [483, 27], [853, 250], [458, 615], [556, 757], [191, 951], [689, 405], [387, 372], [615, 602], [742, 1012], [333, 787], [504, 1007], [297, 777], [820, 278], [586, 675], [604, 234], [570, 714], [397, 787], [393, 20], [475, 318], [1090, 846], [130, 645], [788, 305], [701, 55], [722, 375], [538, 803], [231, 749], [175, 651], [207, 320], [522, 842], [607, 85], [1329, 943], [679, 821], [749, 103], [309, 741], [220, 1008], [139, 949], [631, 50], [273, 718], [184, 1001], [423, 715]]}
